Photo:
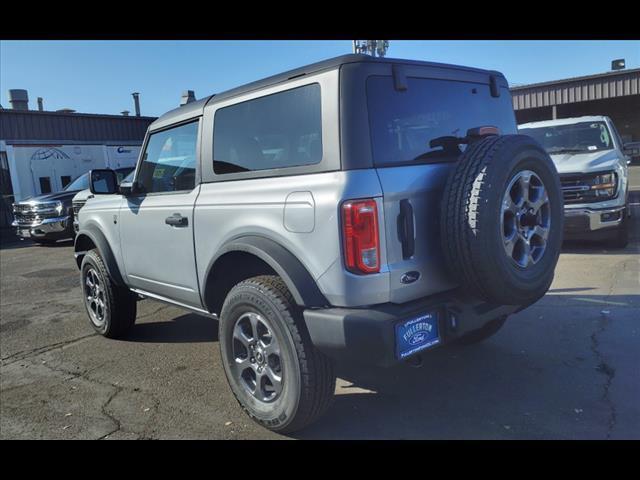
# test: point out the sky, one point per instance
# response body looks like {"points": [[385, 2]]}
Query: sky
{"points": [[99, 76]]}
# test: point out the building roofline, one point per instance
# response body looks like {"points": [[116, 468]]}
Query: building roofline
{"points": [[73, 114], [576, 79]]}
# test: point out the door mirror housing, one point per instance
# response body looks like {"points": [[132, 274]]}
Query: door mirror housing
{"points": [[103, 182]]}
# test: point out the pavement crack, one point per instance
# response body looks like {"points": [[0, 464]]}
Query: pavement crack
{"points": [[24, 354], [607, 370], [103, 410]]}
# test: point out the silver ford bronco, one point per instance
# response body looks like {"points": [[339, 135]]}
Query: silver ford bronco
{"points": [[355, 210]]}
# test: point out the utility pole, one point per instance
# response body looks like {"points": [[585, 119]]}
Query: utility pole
{"points": [[371, 47]]}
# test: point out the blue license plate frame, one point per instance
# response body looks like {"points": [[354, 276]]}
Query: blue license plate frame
{"points": [[417, 333]]}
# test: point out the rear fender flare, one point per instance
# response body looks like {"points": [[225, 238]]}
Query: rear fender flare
{"points": [[299, 281]]}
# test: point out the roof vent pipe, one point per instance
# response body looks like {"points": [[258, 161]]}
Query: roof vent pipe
{"points": [[40, 105], [125, 113], [188, 96], [19, 99], [136, 101]]}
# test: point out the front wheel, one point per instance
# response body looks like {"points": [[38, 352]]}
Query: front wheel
{"points": [[278, 377], [111, 309]]}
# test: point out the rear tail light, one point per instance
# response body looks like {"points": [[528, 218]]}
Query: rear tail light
{"points": [[361, 237]]}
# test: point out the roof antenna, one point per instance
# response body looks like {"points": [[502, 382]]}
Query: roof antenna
{"points": [[371, 47]]}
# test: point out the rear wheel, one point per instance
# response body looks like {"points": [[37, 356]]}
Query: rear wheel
{"points": [[502, 220], [111, 309], [278, 377]]}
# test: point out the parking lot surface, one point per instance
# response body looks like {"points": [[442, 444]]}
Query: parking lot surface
{"points": [[565, 368]]}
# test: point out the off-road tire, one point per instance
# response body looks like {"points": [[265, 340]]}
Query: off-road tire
{"points": [[477, 336], [121, 304], [471, 215], [308, 375]]}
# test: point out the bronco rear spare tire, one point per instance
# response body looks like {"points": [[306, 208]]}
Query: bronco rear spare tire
{"points": [[502, 220]]}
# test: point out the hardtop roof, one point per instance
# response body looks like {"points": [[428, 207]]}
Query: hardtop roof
{"points": [[195, 109]]}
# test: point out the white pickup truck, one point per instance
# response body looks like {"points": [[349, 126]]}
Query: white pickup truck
{"points": [[588, 154]]}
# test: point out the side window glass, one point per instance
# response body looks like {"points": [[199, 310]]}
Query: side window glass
{"points": [[169, 161], [276, 131]]}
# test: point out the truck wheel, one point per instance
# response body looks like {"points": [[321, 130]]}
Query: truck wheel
{"points": [[275, 373], [111, 309], [502, 220], [620, 236], [477, 336]]}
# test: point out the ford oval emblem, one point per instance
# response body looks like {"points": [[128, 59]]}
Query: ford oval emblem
{"points": [[409, 277], [417, 338]]}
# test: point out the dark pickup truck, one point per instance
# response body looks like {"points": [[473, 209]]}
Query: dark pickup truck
{"points": [[48, 218]]}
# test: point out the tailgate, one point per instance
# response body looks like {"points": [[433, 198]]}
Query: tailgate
{"points": [[412, 196]]}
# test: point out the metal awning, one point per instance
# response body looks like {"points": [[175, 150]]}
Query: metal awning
{"points": [[574, 90]]}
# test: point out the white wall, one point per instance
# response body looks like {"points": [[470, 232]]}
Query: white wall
{"points": [[30, 162], [123, 156]]}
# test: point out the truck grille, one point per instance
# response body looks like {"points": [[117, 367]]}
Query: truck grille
{"points": [[27, 214], [576, 188]]}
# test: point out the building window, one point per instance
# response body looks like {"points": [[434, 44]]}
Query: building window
{"points": [[65, 180], [45, 185]]}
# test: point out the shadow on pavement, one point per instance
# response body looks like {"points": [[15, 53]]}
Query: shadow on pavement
{"points": [[188, 328], [525, 382], [9, 241]]}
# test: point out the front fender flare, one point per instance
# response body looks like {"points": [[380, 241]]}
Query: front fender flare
{"points": [[101, 243]]}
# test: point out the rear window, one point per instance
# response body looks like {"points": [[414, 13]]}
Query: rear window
{"points": [[403, 123], [276, 131]]}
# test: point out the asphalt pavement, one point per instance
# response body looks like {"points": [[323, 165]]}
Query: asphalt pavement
{"points": [[565, 368]]}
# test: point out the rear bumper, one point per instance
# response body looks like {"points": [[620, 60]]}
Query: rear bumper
{"points": [[582, 220], [49, 228], [367, 335]]}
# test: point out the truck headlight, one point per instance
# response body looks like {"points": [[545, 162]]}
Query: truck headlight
{"points": [[605, 185], [59, 207]]}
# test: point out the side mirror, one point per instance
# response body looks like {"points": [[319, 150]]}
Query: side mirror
{"points": [[103, 182]]}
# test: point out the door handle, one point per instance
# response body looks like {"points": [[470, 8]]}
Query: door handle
{"points": [[405, 229], [177, 220]]}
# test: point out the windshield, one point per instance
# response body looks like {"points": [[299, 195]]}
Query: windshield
{"points": [[80, 183], [574, 138]]}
